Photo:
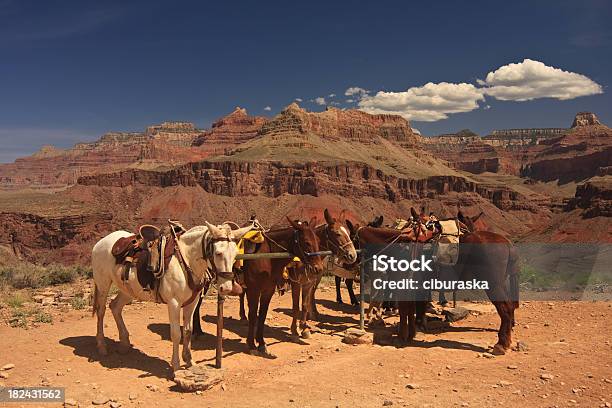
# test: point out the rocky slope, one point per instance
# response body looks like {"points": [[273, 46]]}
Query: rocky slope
{"points": [[228, 132]]}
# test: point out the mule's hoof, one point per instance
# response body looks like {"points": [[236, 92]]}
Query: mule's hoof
{"points": [[263, 352], [498, 350], [306, 334]]}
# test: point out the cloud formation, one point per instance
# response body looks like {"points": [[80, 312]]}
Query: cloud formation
{"points": [[426, 103], [268, 108], [320, 100], [531, 79], [356, 92], [521, 81]]}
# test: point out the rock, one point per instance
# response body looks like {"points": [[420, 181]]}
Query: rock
{"points": [[504, 383], [412, 386], [546, 376], [387, 403], [7, 367], [455, 314], [132, 396], [521, 346], [69, 402], [512, 367], [357, 336], [585, 119], [100, 400], [152, 387], [197, 378], [4, 375], [115, 404]]}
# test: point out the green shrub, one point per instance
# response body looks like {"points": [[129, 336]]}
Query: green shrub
{"points": [[15, 301], [35, 276], [42, 317], [78, 303]]}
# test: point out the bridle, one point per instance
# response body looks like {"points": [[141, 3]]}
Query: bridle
{"points": [[208, 253], [340, 249]]}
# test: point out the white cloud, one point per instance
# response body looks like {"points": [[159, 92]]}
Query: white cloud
{"points": [[331, 95], [350, 100], [298, 99], [531, 79], [320, 100], [356, 91], [267, 108], [426, 103]]}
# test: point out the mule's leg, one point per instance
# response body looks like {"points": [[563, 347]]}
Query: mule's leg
{"points": [[253, 294], [402, 328], [174, 317], [307, 291], [242, 312], [338, 281], [116, 307], [295, 303], [188, 312], [197, 319], [313, 313], [101, 288], [264, 303], [411, 320], [349, 287], [505, 328]]}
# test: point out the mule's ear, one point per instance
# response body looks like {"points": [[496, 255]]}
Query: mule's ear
{"points": [[379, 221], [414, 214], [239, 233], [350, 226], [214, 230], [342, 216], [294, 224], [460, 216], [328, 218], [313, 221]]}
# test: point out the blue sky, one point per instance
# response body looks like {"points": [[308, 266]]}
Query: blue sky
{"points": [[72, 70]]}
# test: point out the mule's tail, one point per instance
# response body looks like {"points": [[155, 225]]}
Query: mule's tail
{"points": [[95, 300], [512, 270]]}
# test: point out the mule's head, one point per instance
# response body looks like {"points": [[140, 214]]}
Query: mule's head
{"points": [[223, 250], [339, 239], [305, 242]]}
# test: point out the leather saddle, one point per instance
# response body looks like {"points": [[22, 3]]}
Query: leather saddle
{"points": [[149, 251]]}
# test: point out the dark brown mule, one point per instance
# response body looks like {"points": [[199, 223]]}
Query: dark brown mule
{"points": [[491, 257], [380, 235], [263, 275], [334, 237]]}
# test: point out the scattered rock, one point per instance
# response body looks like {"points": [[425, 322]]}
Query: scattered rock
{"points": [[512, 367], [387, 403], [546, 376], [100, 400], [197, 378], [455, 314], [413, 386], [504, 383], [7, 367], [132, 396], [115, 404], [4, 375], [521, 346], [301, 360], [152, 387], [69, 402], [357, 336]]}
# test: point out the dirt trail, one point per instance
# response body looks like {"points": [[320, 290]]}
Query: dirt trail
{"points": [[569, 340]]}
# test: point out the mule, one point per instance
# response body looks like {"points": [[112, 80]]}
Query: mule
{"points": [[486, 256], [203, 249], [263, 275], [334, 237]]}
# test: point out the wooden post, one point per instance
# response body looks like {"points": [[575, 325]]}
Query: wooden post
{"points": [[361, 297], [219, 355]]}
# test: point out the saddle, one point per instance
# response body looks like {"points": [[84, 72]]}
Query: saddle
{"points": [[149, 251], [446, 249]]}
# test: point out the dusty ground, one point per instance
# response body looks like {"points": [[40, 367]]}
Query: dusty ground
{"points": [[569, 340]]}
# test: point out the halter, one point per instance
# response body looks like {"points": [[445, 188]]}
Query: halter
{"points": [[341, 248], [208, 243]]}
